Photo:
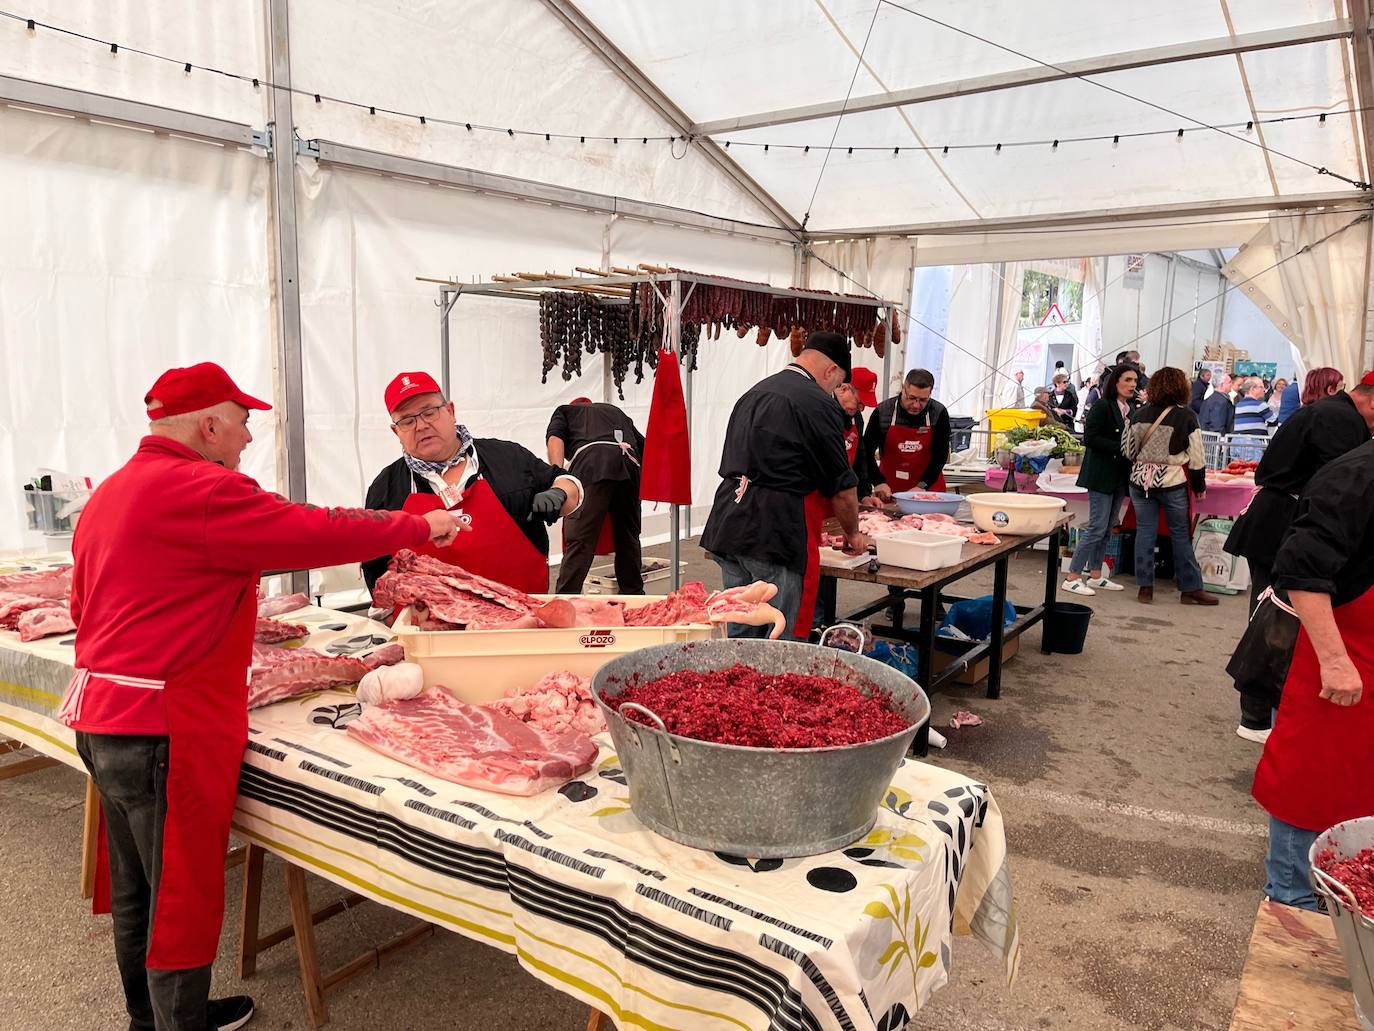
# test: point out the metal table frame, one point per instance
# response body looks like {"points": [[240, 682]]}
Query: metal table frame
{"points": [[930, 596], [679, 287]]}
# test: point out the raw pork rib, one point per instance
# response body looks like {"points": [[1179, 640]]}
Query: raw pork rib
{"points": [[36, 623], [12, 606], [272, 631], [49, 583], [284, 672], [281, 603], [685, 605], [448, 593], [559, 702], [467, 744]]}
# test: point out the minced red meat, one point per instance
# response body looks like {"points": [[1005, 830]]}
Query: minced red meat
{"points": [[1356, 873], [742, 706]]}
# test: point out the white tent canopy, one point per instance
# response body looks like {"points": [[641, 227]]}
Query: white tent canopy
{"points": [[161, 216]]}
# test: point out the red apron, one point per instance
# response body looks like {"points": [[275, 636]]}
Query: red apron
{"points": [[905, 457], [494, 547], [818, 510], [1316, 768], [605, 540], [207, 727]]}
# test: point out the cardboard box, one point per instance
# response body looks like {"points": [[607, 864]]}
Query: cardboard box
{"points": [[976, 673]]}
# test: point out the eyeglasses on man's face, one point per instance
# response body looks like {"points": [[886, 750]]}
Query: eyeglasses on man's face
{"points": [[430, 415]]}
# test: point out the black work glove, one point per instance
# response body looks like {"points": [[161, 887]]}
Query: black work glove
{"points": [[547, 504]]}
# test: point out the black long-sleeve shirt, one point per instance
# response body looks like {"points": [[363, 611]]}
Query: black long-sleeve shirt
{"points": [[888, 412], [514, 475], [1313, 436], [784, 440], [588, 432], [1330, 546]]}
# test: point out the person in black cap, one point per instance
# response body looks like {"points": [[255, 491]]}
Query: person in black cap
{"points": [[785, 440]]}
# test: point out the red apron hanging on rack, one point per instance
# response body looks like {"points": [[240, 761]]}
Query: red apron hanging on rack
{"points": [[494, 547], [906, 456], [666, 473], [818, 510]]}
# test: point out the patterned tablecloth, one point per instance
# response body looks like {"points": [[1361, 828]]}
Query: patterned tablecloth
{"points": [[656, 934]]}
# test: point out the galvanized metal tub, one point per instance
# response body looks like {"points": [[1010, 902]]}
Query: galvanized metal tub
{"points": [[768, 803], [1354, 930]]}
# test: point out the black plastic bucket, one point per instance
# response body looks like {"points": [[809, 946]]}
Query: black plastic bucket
{"points": [[1067, 631]]}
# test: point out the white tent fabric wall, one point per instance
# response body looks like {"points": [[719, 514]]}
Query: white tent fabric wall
{"points": [[1317, 299], [129, 254], [217, 35]]}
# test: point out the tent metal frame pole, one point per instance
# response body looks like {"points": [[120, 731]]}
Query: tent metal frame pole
{"points": [[675, 343], [1195, 50], [445, 354], [287, 258], [1104, 218], [663, 106], [133, 114], [1362, 46]]}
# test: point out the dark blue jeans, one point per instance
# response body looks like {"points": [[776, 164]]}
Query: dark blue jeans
{"points": [[131, 774], [1092, 540], [1174, 502], [742, 571], [1288, 877]]}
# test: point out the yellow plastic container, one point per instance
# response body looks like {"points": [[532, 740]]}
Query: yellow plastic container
{"points": [[1002, 419], [480, 666]]}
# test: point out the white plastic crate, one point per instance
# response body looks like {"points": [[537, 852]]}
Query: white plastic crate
{"points": [[919, 549], [482, 665]]}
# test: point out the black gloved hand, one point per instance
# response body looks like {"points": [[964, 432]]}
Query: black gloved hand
{"points": [[547, 504]]}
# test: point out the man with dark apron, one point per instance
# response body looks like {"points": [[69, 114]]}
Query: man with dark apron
{"points": [[603, 448], [1317, 769], [818, 591], [1314, 436], [908, 439], [503, 494], [784, 440], [167, 557]]}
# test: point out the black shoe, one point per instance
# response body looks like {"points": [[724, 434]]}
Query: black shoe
{"points": [[231, 1013]]}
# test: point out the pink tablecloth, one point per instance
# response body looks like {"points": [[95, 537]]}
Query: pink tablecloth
{"points": [[1223, 499]]}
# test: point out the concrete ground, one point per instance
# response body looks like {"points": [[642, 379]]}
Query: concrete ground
{"points": [[1136, 859]]}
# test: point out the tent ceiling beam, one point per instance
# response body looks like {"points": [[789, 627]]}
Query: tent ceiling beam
{"points": [[1194, 50], [1363, 49], [616, 60], [131, 113], [529, 289], [1105, 216], [528, 189]]}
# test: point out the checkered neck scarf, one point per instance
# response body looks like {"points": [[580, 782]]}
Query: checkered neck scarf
{"points": [[420, 466]]}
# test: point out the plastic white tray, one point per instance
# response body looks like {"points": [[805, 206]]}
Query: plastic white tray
{"points": [[919, 549], [482, 665]]}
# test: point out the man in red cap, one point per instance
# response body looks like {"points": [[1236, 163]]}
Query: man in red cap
{"points": [[603, 447], [167, 557], [502, 494]]}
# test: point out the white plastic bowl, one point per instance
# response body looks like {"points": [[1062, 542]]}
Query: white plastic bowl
{"points": [[1017, 514]]}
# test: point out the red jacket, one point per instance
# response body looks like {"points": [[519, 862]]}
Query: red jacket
{"points": [[163, 554]]}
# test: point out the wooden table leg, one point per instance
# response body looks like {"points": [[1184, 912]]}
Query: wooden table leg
{"points": [[90, 831], [598, 1021], [248, 913], [302, 923]]}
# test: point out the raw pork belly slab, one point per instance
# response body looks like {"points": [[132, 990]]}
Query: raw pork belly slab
{"points": [[449, 593], [467, 744], [280, 603], [44, 622], [272, 631], [13, 606], [49, 583], [285, 672]]}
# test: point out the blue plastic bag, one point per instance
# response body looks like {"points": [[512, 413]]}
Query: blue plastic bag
{"points": [[901, 657], [974, 617]]}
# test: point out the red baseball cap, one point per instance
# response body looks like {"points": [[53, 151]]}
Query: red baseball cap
{"points": [[865, 384], [1367, 380], [582, 400], [408, 384], [178, 391]]}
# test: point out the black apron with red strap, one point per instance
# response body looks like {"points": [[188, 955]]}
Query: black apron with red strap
{"points": [[818, 510], [605, 538], [906, 456], [493, 546], [207, 728], [1316, 768]]}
